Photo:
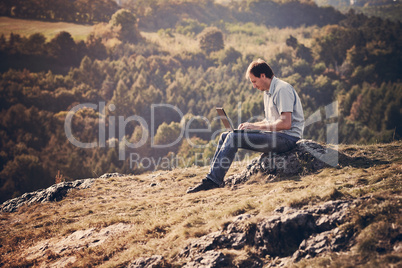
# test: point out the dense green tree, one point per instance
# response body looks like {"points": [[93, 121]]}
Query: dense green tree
{"points": [[229, 56], [63, 48], [168, 138], [192, 152], [96, 49], [25, 173], [190, 27], [168, 133], [60, 10], [35, 44], [211, 39], [127, 22], [333, 43]]}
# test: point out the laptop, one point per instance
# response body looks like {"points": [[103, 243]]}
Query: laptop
{"points": [[227, 123]]}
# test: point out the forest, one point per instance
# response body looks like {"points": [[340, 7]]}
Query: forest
{"points": [[150, 69], [82, 11]]}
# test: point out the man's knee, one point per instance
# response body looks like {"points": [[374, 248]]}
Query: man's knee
{"points": [[224, 135], [231, 140]]}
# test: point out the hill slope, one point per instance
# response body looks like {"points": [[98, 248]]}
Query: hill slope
{"points": [[118, 220], [48, 29]]}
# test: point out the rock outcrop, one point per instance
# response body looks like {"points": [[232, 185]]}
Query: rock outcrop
{"points": [[287, 236], [155, 261], [111, 175], [55, 192], [65, 247], [307, 157]]}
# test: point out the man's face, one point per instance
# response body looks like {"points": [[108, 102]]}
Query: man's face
{"points": [[259, 83]]}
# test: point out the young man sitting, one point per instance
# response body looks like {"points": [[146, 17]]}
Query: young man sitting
{"points": [[281, 128]]}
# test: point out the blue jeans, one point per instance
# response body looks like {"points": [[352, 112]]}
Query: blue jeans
{"points": [[230, 142]]}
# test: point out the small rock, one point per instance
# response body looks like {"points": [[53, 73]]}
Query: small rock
{"points": [[317, 244], [211, 259], [203, 244], [111, 175], [156, 261]]}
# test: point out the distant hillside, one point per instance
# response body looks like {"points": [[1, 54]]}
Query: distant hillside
{"points": [[78, 11], [269, 13], [49, 29], [348, 216], [385, 9]]}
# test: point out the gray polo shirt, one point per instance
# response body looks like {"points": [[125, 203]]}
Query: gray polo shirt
{"points": [[282, 97]]}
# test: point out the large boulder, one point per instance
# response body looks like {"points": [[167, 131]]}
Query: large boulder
{"points": [[307, 157]]}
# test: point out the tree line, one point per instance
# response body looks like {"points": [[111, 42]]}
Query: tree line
{"points": [[154, 15], [80, 11], [59, 54], [62, 52]]}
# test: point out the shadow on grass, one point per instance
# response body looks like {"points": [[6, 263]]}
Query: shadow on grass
{"points": [[360, 161]]}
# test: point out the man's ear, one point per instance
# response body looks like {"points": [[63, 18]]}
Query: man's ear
{"points": [[262, 76]]}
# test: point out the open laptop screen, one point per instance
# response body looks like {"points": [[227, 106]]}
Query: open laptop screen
{"points": [[225, 119], [227, 123]]}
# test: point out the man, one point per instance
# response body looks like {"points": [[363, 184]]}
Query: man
{"points": [[281, 128]]}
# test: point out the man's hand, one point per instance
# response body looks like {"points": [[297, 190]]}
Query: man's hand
{"points": [[246, 125], [283, 123]]}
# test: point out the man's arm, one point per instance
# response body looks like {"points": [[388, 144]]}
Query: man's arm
{"points": [[283, 123]]}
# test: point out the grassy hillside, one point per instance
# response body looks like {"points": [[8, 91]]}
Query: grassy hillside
{"points": [[247, 38], [122, 219], [354, 63], [48, 29], [383, 9]]}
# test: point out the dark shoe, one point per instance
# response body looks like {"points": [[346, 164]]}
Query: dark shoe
{"points": [[206, 184]]}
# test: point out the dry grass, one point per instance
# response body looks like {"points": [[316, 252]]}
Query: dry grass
{"points": [[162, 219], [246, 38], [48, 29], [175, 45], [267, 42]]}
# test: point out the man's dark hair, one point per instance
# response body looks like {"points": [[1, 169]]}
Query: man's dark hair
{"points": [[259, 67]]}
